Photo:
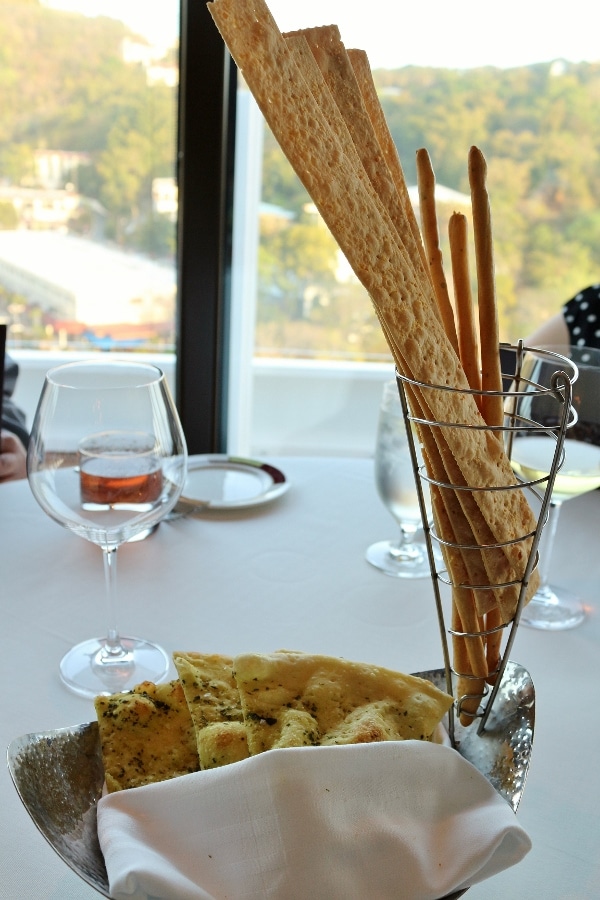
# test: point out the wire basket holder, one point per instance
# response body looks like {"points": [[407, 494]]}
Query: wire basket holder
{"points": [[559, 395]]}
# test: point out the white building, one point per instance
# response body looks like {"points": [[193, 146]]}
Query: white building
{"points": [[79, 280]]}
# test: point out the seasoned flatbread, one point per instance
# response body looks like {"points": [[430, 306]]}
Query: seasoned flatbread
{"points": [[293, 699], [146, 735], [215, 707]]}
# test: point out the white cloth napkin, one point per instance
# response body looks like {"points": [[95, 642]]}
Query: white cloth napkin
{"points": [[394, 819]]}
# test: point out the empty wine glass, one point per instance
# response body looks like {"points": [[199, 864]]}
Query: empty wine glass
{"points": [[107, 459], [406, 556], [552, 607]]}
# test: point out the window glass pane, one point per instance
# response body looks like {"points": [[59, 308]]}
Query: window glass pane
{"points": [[88, 199], [447, 79]]}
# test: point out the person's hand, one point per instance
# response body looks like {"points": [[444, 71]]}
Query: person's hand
{"points": [[13, 457]]}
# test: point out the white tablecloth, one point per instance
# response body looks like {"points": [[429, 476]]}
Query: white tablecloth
{"points": [[291, 574]]}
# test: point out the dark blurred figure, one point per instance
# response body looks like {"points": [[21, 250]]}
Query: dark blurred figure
{"points": [[14, 436]]}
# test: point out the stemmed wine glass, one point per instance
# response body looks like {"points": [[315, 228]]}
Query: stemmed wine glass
{"points": [[555, 608], [107, 459], [405, 557]]}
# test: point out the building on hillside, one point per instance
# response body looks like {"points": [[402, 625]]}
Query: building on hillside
{"points": [[165, 197], [72, 279], [56, 169], [444, 196]]}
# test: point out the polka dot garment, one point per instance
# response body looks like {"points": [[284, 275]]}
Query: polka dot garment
{"points": [[582, 317]]}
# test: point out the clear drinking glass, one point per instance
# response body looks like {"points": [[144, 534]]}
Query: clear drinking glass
{"points": [[553, 607], [406, 556], [107, 459]]}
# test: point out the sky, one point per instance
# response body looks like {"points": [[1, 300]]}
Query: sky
{"points": [[444, 33]]}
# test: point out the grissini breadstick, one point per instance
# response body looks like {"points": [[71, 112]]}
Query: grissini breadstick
{"points": [[338, 74], [460, 575], [491, 377], [469, 354], [469, 689], [468, 350], [493, 643], [431, 236], [468, 342]]}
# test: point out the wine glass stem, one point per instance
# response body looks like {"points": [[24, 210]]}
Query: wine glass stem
{"points": [[407, 533], [113, 643], [405, 549], [547, 542]]}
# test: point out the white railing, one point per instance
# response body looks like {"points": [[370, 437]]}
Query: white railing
{"points": [[297, 407]]}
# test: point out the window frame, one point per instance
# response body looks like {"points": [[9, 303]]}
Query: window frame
{"points": [[205, 167]]}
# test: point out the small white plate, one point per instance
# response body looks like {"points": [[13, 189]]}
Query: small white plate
{"points": [[216, 481]]}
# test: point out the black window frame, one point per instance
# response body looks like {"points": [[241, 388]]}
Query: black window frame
{"points": [[205, 165]]}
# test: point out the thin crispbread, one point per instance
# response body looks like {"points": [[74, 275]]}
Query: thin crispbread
{"points": [[364, 77], [338, 74], [366, 234]]}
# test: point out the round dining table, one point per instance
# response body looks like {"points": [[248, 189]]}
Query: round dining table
{"points": [[292, 573]]}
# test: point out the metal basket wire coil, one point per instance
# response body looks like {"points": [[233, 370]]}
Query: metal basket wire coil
{"points": [[558, 400]]}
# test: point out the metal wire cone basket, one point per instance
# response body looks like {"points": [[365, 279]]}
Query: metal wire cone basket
{"points": [[556, 416]]}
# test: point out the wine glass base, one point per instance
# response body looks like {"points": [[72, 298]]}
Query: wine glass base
{"points": [[88, 669], [553, 609], [407, 561]]}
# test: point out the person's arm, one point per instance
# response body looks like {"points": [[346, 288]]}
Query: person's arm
{"points": [[13, 457], [553, 333]]}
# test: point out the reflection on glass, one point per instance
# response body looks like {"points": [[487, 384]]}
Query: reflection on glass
{"points": [[405, 556], [555, 608]]}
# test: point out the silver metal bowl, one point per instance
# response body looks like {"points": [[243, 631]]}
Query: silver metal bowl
{"points": [[59, 774]]}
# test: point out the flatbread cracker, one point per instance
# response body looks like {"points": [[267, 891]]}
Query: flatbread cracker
{"points": [[364, 77], [215, 707], [330, 124], [146, 735], [298, 699], [366, 234]]}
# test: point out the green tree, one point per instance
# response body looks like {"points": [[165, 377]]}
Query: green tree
{"points": [[8, 216], [296, 270]]}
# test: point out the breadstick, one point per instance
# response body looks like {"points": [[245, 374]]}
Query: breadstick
{"points": [[469, 689], [493, 643], [491, 374], [491, 377], [426, 184], [468, 342]]}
